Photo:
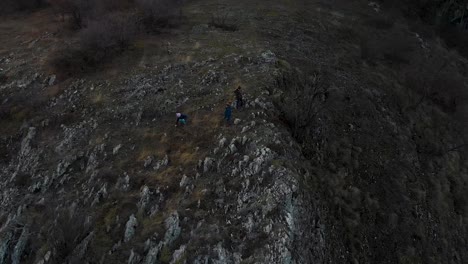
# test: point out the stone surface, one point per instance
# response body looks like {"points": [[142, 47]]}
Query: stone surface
{"points": [[130, 228], [20, 246], [172, 228]]}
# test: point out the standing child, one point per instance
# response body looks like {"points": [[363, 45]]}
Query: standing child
{"points": [[228, 114], [181, 119]]}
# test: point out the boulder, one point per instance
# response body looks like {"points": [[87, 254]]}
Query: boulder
{"points": [[172, 228], [130, 227]]}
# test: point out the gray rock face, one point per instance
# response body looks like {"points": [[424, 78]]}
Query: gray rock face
{"points": [[116, 149], [184, 181], [148, 161], [144, 198], [80, 251], [269, 57], [200, 29], [161, 163], [52, 80], [77, 155], [222, 142], [208, 164], [123, 183], [5, 241], [28, 158], [172, 228], [178, 255], [152, 256], [130, 227], [20, 246], [100, 195], [134, 258]]}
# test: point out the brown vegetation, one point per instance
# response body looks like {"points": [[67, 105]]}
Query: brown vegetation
{"points": [[303, 98], [107, 28], [224, 19]]}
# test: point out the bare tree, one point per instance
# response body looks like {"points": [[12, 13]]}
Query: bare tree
{"points": [[304, 97]]}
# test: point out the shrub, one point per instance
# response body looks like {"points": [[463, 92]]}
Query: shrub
{"points": [[100, 41], [225, 20], [303, 98], [107, 28], [109, 34], [156, 14]]}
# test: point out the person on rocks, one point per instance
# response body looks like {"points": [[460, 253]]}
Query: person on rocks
{"points": [[228, 114], [239, 98], [181, 119]]}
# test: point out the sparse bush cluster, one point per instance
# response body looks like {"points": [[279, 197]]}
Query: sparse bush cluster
{"points": [[106, 28], [111, 32], [152, 14], [224, 19], [303, 98]]}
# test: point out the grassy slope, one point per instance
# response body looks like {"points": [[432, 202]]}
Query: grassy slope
{"points": [[387, 197], [393, 191]]}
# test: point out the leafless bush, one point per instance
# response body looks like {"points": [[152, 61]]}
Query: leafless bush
{"points": [[159, 13], [99, 41], [107, 28], [225, 20], [112, 33], [303, 98]]}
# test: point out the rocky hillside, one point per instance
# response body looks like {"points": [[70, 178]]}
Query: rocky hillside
{"points": [[351, 147]]}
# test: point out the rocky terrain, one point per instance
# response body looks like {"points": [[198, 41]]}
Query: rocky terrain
{"points": [[93, 170]]}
